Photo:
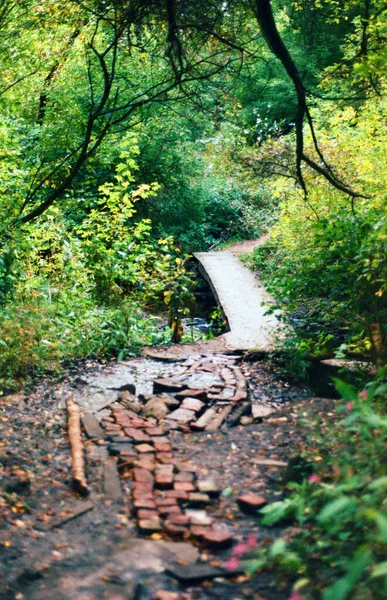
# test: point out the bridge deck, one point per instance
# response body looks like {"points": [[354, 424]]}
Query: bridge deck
{"points": [[240, 295]]}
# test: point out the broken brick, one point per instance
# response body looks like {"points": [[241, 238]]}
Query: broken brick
{"points": [[164, 481], [150, 525], [217, 538], [144, 514], [251, 503], [142, 475], [184, 486], [162, 447]]}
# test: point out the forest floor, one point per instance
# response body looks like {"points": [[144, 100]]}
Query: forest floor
{"points": [[174, 442], [55, 544]]}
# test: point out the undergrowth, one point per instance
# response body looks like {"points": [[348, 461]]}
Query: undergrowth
{"points": [[338, 548], [38, 336]]}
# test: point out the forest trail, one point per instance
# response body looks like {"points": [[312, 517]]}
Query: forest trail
{"points": [[181, 452], [170, 496], [242, 298]]}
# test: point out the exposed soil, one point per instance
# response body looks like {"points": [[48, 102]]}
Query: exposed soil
{"points": [[247, 246], [103, 553]]}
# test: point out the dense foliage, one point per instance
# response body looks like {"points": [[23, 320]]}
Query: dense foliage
{"points": [[133, 133], [208, 118], [336, 546]]}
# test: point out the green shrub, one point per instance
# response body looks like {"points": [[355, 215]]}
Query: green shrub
{"points": [[340, 548]]}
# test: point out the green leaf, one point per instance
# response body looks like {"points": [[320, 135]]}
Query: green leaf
{"points": [[345, 390], [335, 507], [379, 570], [340, 590], [227, 492], [381, 522], [376, 421], [277, 511], [381, 482], [256, 564], [277, 548]]}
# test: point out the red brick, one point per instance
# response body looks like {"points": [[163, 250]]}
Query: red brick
{"points": [[140, 496], [185, 477], [185, 428], [179, 519], [147, 514], [192, 404], [143, 486], [176, 494], [217, 538], [137, 434], [176, 530], [165, 469], [144, 448], [164, 481], [251, 503], [136, 422], [165, 458], [150, 422], [163, 447], [144, 504], [126, 454], [198, 499], [155, 431], [166, 502], [184, 486], [123, 422], [107, 420], [144, 463], [142, 475], [165, 511], [198, 393]]}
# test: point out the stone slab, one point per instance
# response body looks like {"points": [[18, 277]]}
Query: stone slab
{"points": [[91, 426], [182, 415], [192, 404], [58, 521], [111, 481], [260, 411], [162, 384]]}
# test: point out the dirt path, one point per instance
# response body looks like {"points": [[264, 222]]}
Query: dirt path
{"points": [[245, 247], [107, 551], [183, 445]]}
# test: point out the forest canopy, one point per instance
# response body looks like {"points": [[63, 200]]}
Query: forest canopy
{"points": [[134, 132]]}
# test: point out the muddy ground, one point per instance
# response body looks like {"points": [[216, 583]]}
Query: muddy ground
{"points": [[51, 549]]}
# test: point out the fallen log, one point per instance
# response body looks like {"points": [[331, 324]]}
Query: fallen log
{"points": [[76, 444]]}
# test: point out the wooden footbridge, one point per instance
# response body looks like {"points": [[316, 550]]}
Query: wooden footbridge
{"points": [[243, 301]]}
